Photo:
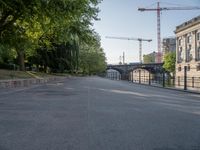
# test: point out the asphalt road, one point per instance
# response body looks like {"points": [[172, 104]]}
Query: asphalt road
{"points": [[92, 113]]}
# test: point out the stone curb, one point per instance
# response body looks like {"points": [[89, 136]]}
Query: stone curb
{"points": [[26, 82]]}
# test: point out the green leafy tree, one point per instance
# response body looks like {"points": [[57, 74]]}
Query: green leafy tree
{"points": [[37, 19], [92, 57], [169, 62], [51, 33]]}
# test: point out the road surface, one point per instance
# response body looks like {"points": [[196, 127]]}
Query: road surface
{"points": [[92, 113]]}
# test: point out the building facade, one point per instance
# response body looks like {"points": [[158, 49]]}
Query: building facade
{"points": [[150, 58], [188, 53], [168, 45]]}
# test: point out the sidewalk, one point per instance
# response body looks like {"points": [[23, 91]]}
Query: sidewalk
{"points": [[13, 83]]}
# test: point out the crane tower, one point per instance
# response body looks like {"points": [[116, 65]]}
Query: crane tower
{"points": [[135, 39], [158, 10]]}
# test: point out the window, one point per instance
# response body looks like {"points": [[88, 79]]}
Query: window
{"points": [[180, 55], [188, 67], [198, 53], [198, 67], [180, 42], [188, 55], [198, 36], [179, 68], [189, 39]]}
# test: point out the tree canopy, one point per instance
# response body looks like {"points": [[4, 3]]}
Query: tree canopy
{"points": [[170, 62], [53, 34]]}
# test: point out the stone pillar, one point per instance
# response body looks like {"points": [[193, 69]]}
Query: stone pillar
{"points": [[185, 47], [194, 45], [177, 50]]}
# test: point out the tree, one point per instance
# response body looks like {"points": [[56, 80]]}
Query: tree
{"points": [[7, 56], [169, 62], [50, 33], [92, 57]]}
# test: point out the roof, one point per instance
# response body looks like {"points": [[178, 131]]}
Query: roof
{"points": [[188, 24]]}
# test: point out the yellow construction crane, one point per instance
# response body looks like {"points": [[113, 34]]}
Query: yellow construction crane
{"points": [[135, 39], [158, 9]]}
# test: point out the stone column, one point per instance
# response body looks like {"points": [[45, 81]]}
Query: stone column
{"points": [[177, 50], [194, 45], [185, 48]]}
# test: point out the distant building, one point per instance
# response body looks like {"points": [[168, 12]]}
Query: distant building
{"points": [[168, 45], [150, 58], [188, 52]]}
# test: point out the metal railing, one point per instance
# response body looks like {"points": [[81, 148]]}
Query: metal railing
{"points": [[113, 75], [187, 80]]}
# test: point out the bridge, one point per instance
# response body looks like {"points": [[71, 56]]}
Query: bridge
{"points": [[128, 70]]}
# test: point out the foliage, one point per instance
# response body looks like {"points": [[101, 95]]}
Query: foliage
{"points": [[169, 62], [92, 59], [6, 55], [50, 34]]}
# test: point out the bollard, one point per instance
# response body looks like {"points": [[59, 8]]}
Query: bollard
{"points": [[185, 77], [163, 79], [149, 78], [139, 76]]}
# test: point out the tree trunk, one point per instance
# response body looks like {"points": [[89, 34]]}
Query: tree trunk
{"points": [[21, 60], [45, 68]]}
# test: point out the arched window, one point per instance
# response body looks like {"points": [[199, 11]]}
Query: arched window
{"points": [[180, 55], [188, 54]]}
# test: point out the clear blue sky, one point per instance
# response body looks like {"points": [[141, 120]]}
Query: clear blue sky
{"points": [[121, 18]]}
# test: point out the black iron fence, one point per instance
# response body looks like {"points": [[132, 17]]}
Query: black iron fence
{"points": [[189, 82], [187, 79], [159, 79], [113, 75]]}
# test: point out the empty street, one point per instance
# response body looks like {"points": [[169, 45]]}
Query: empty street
{"points": [[92, 113]]}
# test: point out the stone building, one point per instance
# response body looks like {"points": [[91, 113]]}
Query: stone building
{"points": [[188, 53], [150, 58]]}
